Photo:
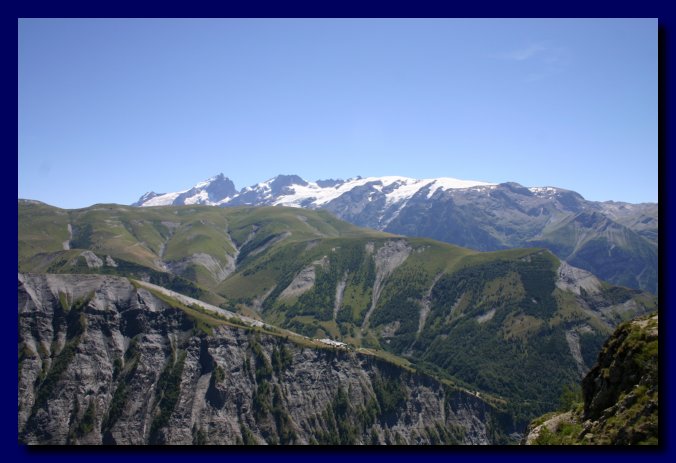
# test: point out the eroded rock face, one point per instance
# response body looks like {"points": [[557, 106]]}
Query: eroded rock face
{"points": [[620, 393], [626, 361], [573, 340], [91, 259], [388, 257], [301, 284], [102, 361], [218, 271], [574, 279]]}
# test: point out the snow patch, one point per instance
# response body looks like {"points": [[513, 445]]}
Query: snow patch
{"points": [[406, 189], [200, 198], [206, 182], [448, 183], [166, 199], [223, 201], [542, 190]]}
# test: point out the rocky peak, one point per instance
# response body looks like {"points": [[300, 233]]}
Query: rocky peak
{"points": [[220, 187], [279, 184]]}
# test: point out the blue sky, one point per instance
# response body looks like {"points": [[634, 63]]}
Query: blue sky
{"points": [[110, 109]]}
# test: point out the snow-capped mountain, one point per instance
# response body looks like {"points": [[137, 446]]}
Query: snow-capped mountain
{"points": [[214, 191], [293, 191], [617, 241]]}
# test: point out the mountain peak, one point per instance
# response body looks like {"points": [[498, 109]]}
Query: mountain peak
{"points": [[220, 188], [215, 179], [213, 190], [280, 182], [145, 198], [210, 191]]}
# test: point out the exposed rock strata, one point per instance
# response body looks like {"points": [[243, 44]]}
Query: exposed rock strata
{"points": [[388, 257], [216, 269], [102, 361], [301, 284]]}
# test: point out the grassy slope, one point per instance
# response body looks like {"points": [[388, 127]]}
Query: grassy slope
{"points": [[145, 236], [42, 228]]}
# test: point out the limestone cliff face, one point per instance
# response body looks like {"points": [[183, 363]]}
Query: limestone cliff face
{"points": [[104, 361]]}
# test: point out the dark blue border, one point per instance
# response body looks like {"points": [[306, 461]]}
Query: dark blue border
{"points": [[340, 9], [529, 8]]}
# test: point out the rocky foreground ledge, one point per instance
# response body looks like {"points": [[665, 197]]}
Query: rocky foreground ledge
{"points": [[620, 394]]}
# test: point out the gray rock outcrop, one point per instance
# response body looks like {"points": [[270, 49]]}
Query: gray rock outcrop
{"points": [[103, 360]]}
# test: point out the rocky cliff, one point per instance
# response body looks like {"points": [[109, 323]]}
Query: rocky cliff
{"points": [[620, 394], [104, 360]]}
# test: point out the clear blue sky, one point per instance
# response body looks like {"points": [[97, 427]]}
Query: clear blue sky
{"points": [[110, 109]]}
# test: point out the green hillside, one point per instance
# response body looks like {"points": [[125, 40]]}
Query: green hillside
{"points": [[502, 323]]}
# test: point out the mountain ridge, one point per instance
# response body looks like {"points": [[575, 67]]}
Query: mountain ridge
{"points": [[615, 240], [171, 198]]}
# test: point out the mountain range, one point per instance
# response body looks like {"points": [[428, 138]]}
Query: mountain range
{"points": [[510, 327], [616, 241]]}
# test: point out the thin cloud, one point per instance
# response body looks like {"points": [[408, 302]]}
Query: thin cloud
{"points": [[523, 54], [543, 60]]}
